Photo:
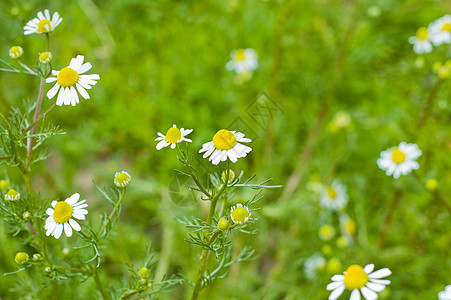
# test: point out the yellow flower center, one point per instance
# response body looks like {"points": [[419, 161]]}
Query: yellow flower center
{"points": [[239, 55], [45, 57], [63, 212], [15, 50], [12, 193], [173, 135], [422, 33], [4, 185], [42, 26], [240, 214], [67, 77], [331, 193], [121, 178], [224, 140], [355, 277], [446, 27], [398, 156], [350, 226]]}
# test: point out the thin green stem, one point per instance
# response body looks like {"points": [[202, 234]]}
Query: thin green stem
{"points": [[100, 286], [36, 121], [36, 115], [105, 224], [199, 185]]}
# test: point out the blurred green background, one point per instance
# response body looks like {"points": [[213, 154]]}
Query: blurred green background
{"points": [[163, 63]]}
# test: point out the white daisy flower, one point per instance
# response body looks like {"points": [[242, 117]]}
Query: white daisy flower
{"points": [[60, 216], [313, 264], [225, 144], [399, 160], [421, 41], [446, 294], [334, 196], [243, 60], [69, 78], [15, 52], [440, 30], [173, 137], [43, 23], [356, 278], [12, 195], [240, 214]]}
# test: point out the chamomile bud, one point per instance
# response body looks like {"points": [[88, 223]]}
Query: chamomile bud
{"points": [[45, 57], [144, 272], [26, 215], [231, 176], [431, 185], [333, 265], [15, 52], [4, 185], [21, 258], [12, 195], [37, 257], [122, 179], [223, 224]]}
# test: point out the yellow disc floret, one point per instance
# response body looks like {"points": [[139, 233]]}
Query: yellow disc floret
{"points": [[223, 224], [331, 193], [398, 156], [240, 214], [45, 57], [422, 33], [122, 179], [44, 26], [355, 277], [446, 27], [67, 77], [224, 140], [63, 212], [15, 52], [21, 258], [239, 54], [173, 135]]}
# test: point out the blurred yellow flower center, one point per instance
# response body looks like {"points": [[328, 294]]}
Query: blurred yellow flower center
{"points": [[121, 178], [173, 135], [224, 140], [398, 156], [63, 212], [45, 57], [446, 27], [12, 194], [15, 50], [422, 33], [355, 277], [239, 55], [350, 226], [42, 26], [67, 77], [4, 185], [331, 193], [240, 214]]}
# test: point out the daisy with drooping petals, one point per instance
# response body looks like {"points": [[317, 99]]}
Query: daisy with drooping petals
{"points": [[440, 30], [173, 137], [225, 144], [43, 23], [421, 41], [357, 279], [62, 214], [334, 196], [240, 214], [69, 78], [243, 60], [446, 294], [399, 160]]}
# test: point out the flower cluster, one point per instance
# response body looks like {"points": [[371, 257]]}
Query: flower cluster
{"points": [[437, 33]]}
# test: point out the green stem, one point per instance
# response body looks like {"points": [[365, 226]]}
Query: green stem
{"points": [[36, 115], [72, 269], [36, 121], [99, 284], [205, 252], [199, 185], [111, 214]]}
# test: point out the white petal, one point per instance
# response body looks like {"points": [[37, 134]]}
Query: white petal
{"points": [[67, 229], [333, 285], [90, 77], [54, 202], [58, 230], [80, 211], [82, 91], [52, 92], [381, 281], [74, 225], [84, 68], [67, 96], [73, 199], [355, 295], [50, 79], [380, 273], [369, 268], [337, 292], [338, 278], [47, 14], [50, 211], [162, 144], [41, 15], [368, 294], [74, 96], [79, 217], [375, 286]]}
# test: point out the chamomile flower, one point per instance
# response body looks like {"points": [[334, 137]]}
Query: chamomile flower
{"points": [[62, 214], [313, 264], [399, 160], [226, 144], [45, 57], [70, 78], [122, 179], [173, 137], [15, 52], [243, 60], [421, 41], [334, 196], [357, 279], [446, 294], [348, 226], [240, 214], [12, 195], [43, 23], [440, 30], [326, 232]]}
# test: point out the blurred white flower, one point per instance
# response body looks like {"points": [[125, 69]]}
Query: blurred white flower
{"points": [[172, 137], [446, 294], [399, 160], [421, 41], [43, 23], [243, 60], [313, 264], [356, 278], [69, 78], [334, 196], [60, 216], [440, 30]]}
